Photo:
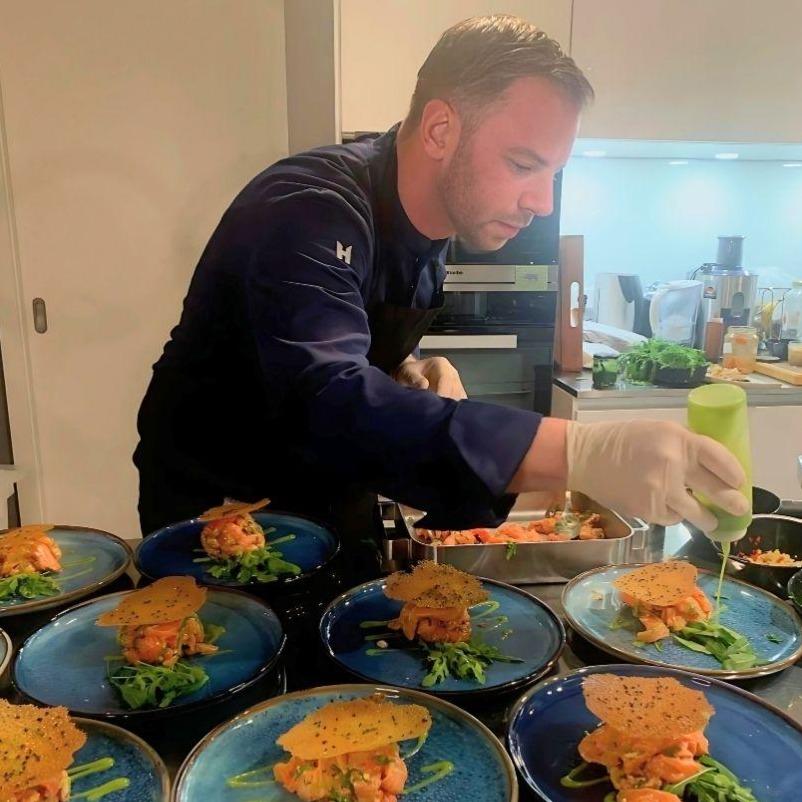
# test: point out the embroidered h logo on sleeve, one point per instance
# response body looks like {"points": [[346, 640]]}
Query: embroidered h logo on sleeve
{"points": [[344, 253]]}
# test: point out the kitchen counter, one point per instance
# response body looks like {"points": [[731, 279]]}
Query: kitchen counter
{"points": [[580, 386]]}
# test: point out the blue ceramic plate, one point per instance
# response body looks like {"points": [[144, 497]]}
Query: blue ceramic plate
{"points": [[64, 663], [757, 742], [171, 551], [133, 759], [90, 559], [592, 604], [532, 632], [248, 742]]}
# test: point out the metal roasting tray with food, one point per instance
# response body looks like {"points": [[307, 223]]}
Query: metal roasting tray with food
{"points": [[543, 540]]}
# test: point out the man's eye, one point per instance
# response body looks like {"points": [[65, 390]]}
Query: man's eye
{"points": [[519, 168]]}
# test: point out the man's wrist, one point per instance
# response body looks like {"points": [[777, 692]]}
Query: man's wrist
{"points": [[545, 464]]}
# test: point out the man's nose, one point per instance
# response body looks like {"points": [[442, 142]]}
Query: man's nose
{"points": [[538, 199]]}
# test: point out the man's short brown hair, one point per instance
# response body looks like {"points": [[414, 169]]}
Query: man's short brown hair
{"points": [[475, 60]]}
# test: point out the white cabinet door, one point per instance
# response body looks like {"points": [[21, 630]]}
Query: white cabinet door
{"points": [[383, 45], [775, 433], [129, 128], [717, 70]]}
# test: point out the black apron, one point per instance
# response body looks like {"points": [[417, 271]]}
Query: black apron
{"points": [[170, 493]]}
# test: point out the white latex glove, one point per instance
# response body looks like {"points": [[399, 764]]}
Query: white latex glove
{"points": [[434, 373], [645, 468]]}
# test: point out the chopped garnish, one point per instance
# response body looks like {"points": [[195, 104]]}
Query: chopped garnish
{"points": [[146, 685], [28, 586], [731, 649], [465, 660]]}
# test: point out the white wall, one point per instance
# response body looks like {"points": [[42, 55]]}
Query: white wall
{"points": [[659, 220], [129, 128]]}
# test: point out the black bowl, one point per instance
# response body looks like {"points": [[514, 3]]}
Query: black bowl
{"points": [[767, 532], [680, 377]]}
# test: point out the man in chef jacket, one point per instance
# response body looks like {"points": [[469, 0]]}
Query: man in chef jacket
{"points": [[292, 373]]}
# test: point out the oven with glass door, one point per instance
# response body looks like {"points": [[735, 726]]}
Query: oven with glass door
{"points": [[497, 328]]}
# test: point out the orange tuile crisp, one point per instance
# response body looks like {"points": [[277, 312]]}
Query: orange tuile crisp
{"points": [[36, 745], [646, 707], [360, 725], [659, 584], [172, 598], [233, 508], [435, 585]]}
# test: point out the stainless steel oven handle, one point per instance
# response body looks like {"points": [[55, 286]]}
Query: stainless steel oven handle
{"points": [[467, 341]]}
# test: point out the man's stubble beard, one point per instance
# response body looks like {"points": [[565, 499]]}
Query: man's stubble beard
{"points": [[458, 198]]}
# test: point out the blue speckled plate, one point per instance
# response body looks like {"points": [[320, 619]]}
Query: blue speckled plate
{"points": [[759, 743], [171, 551], [64, 662], [90, 558], [532, 632], [591, 605], [133, 759], [483, 769]]}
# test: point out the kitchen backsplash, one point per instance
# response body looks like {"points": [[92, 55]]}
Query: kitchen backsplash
{"points": [[660, 220]]}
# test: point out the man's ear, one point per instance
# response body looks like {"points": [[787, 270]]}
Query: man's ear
{"points": [[439, 129]]}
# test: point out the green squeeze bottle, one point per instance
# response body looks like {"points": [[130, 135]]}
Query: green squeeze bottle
{"points": [[719, 411]]}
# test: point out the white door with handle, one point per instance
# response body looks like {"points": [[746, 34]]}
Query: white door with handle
{"points": [[129, 128]]}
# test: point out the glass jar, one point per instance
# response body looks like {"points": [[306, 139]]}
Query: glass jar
{"points": [[605, 372], [740, 348], [795, 353], [791, 327]]}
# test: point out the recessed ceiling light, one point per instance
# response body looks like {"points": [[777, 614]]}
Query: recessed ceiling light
{"points": [[678, 161], [793, 164], [726, 155], [594, 154]]}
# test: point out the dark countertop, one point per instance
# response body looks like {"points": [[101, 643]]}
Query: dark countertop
{"points": [[307, 666]]}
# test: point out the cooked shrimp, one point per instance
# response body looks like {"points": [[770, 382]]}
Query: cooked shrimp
{"points": [[232, 536], [164, 644], [378, 775], [32, 554], [54, 790], [434, 624]]}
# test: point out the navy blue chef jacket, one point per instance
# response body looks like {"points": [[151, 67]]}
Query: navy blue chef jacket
{"points": [[265, 387]]}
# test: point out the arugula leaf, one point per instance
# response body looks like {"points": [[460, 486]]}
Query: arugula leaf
{"points": [[774, 638], [145, 685], [715, 783], [729, 647], [466, 660], [260, 565], [28, 586]]}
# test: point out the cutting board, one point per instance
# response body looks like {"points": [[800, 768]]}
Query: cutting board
{"points": [[754, 382], [782, 371]]}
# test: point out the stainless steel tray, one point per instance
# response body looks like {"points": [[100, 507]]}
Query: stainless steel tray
{"points": [[551, 561]]}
